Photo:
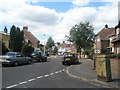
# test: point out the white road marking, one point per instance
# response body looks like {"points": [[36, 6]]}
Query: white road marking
{"points": [[39, 77], [23, 82], [60, 71], [12, 86], [46, 75], [56, 72], [51, 73], [31, 79], [35, 79]]}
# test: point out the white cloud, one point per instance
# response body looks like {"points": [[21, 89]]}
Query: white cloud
{"points": [[42, 20], [81, 2]]}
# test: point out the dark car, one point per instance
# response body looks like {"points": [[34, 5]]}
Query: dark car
{"points": [[70, 58], [14, 58], [39, 56]]}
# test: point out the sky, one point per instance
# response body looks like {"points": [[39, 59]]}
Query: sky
{"points": [[55, 18]]}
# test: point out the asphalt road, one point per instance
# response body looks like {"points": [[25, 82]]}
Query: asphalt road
{"points": [[49, 74]]}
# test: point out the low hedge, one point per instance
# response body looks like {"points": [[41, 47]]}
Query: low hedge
{"points": [[117, 56]]}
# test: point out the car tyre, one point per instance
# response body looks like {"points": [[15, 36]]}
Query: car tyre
{"points": [[29, 62], [15, 63], [63, 63]]}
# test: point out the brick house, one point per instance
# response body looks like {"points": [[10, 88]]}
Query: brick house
{"points": [[31, 39], [102, 41], [64, 47], [116, 39], [5, 37]]}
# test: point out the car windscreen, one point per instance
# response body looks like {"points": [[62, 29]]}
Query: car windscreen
{"points": [[69, 55], [33, 54]]}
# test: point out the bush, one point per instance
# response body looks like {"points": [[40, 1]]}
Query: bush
{"points": [[4, 48], [115, 56], [27, 50]]}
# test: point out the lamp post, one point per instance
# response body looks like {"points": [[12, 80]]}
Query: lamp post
{"points": [[44, 43]]}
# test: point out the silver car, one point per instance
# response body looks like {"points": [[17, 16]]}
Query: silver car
{"points": [[14, 58]]}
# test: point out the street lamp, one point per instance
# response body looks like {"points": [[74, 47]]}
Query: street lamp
{"points": [[44, 43]]}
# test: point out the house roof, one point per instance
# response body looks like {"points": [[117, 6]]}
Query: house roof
{"points": [[28, 35], [65, 45], [105, 33]]}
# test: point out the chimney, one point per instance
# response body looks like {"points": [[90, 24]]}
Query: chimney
{"points": [[5, 30], [25, 28], [106, 26]]}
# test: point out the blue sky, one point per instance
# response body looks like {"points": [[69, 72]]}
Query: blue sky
{"points": [[47, 19], [65, 6]]}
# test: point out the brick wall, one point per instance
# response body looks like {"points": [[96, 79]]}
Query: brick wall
{"points": [[115, 66]]}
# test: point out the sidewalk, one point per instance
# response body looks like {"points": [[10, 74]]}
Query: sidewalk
{"points": [[84, 71]]}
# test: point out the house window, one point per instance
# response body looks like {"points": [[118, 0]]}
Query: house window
{"points": [[110, 38], [118, 50], [98, 40], [112, 49], [117, 31]]}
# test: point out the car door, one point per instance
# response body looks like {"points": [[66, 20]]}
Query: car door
{"points": [[21, 58]]}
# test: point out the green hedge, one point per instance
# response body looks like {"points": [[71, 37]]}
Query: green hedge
{"points": [[117, 56]]}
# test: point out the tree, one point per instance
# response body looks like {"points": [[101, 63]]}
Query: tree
{"points": [[50, 43], [4, 48], [55, 49], [12, 37], [27, 49], [16, 39], [82, 36]]}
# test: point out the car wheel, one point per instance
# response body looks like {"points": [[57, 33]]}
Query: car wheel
{"points": [[3, 65], [15, 63], [29, 62], [63, 63]]}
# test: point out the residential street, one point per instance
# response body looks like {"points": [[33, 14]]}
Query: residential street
{"points": [[49, 74]]}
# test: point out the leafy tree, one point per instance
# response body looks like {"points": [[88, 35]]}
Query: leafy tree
{"points": [[82, 36], [16, 39], [55, 49], [4, 48], [50, 43], [12, 37], [27, 49]]}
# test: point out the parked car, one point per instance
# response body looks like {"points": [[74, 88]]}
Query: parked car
{"points": [[70, 58], [14, 58], [39, 56]]}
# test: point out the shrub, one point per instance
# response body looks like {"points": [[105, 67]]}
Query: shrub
{"points": [[27, 50], [115, 56]]}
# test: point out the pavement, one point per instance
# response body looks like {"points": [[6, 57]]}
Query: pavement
{"points": [[84, 71]]}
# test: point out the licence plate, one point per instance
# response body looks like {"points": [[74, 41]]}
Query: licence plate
{"points": [[67, 59], [33, 56]]}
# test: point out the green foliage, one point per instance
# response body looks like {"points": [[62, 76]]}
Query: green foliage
{"points": [[16, 39], [55, 49], [105, 51], [88, 51], [50, 43], [4, 48], [82, 36], [117, 56], [27, 49]]}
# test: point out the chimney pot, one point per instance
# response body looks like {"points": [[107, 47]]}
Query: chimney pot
{"points": [[106, 26], [25, 28]]}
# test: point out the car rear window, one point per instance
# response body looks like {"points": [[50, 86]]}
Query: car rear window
{"points": [[69, 55], [10, 54]]}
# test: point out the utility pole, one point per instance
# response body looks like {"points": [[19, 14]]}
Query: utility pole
{"points": [[44, 43]]}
